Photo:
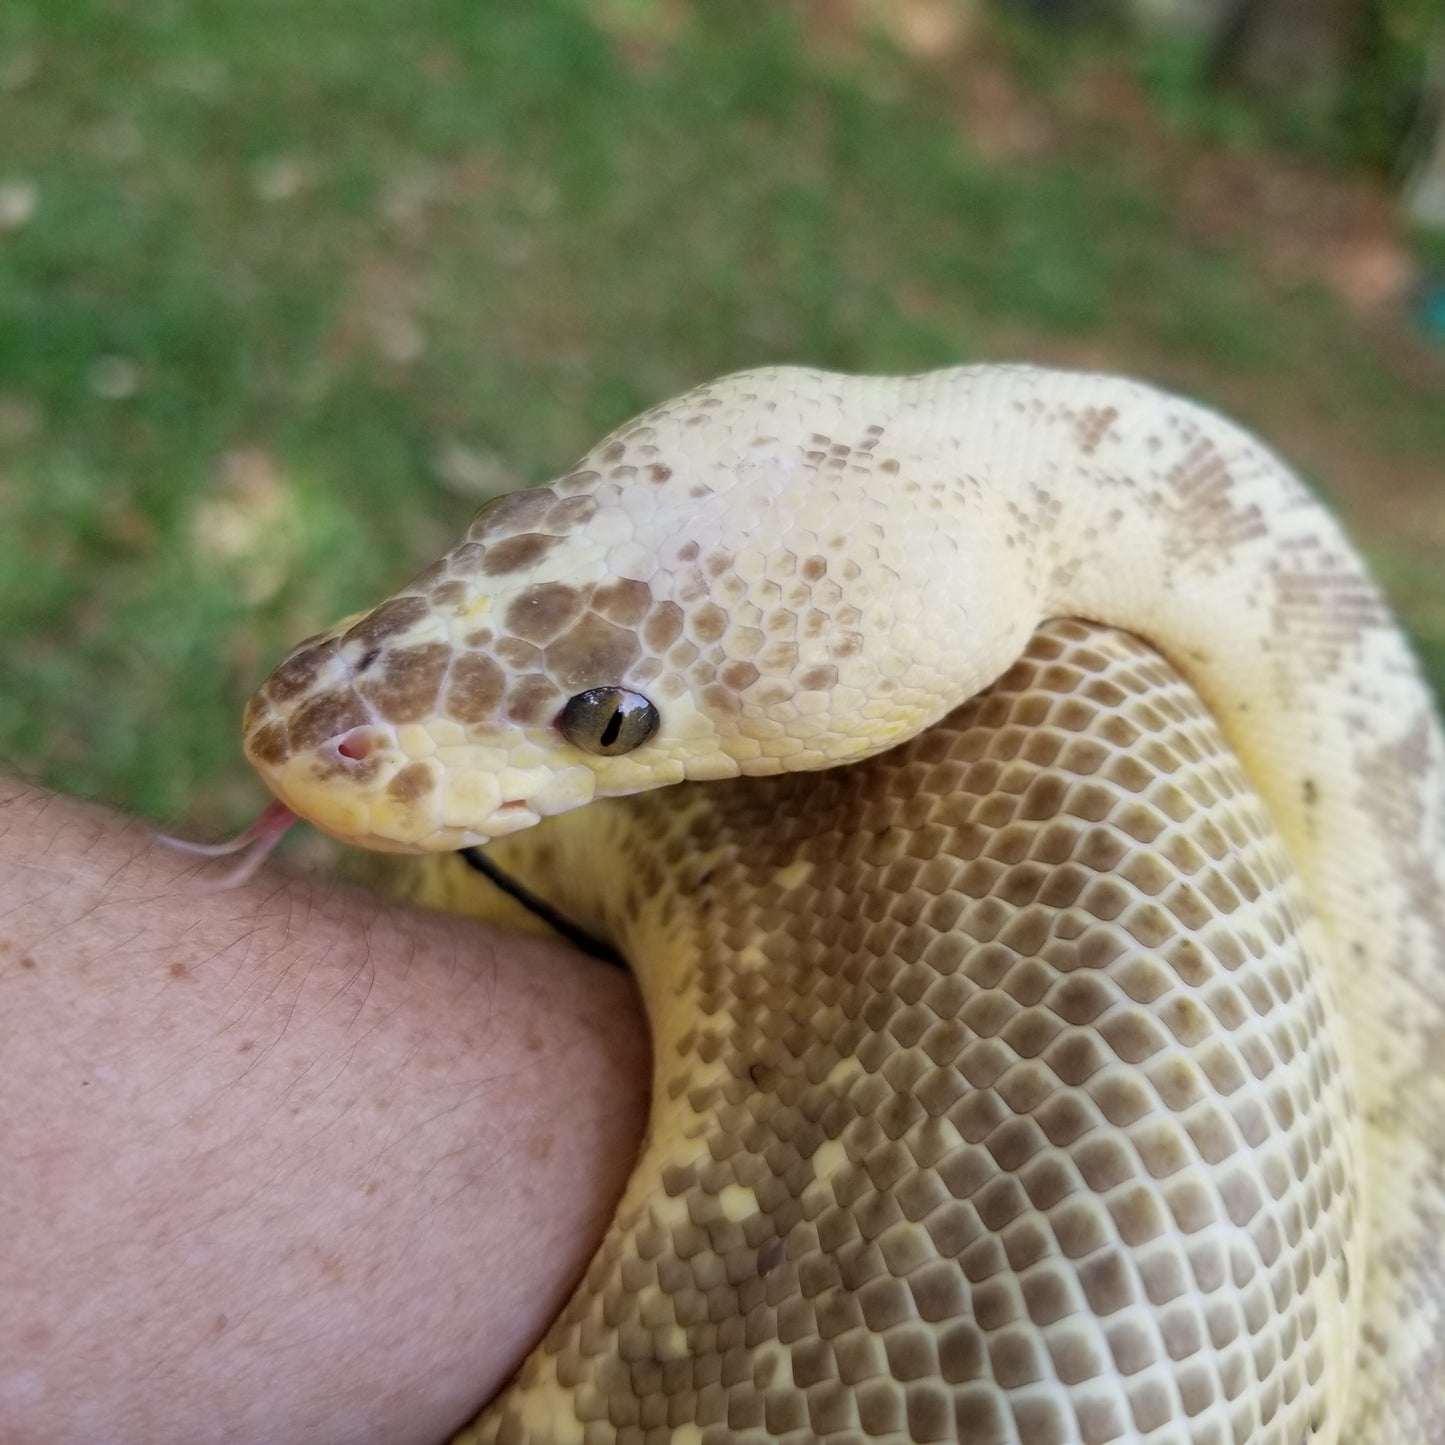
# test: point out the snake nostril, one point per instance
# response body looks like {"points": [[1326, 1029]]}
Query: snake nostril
{"points": [[358, 744]]}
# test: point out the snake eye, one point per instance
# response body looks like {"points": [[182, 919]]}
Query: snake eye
{"points": [[608, 720]]}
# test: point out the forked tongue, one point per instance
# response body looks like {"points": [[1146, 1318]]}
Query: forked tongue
{"points": [[254, 843]]}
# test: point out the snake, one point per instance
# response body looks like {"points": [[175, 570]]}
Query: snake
{"points": [[1025, 821]]}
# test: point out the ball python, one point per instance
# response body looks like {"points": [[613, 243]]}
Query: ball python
{"points": [[1026, 824]]}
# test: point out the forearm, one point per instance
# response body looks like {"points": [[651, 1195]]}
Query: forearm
{"points": [[284, 1162]]}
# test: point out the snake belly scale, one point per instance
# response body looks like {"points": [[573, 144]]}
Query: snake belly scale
{"points": [[1042, 949]]}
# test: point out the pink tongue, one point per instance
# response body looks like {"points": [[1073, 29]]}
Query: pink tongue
{"points": [[255, 842]]}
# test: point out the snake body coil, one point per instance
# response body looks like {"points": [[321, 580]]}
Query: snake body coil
{"points": [[1067, 1069]]}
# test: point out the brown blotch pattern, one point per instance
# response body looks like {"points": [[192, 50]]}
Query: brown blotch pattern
{"points": [[405, 686], [662, 626], [324, 716], [395, 616], [624, 601], [300, 671], [1322, 607], [475, 689], [575, 482], [538, 614], [571, 513], [533, 700], [466, 560], [1202, 503], [1092, 425], [706, 623], [986, 1125], [414, 781], [257, 711], [450, 594], [516, 554], [519, 511], [593, 653], [738, 675], [269, 744], [521, 657]]}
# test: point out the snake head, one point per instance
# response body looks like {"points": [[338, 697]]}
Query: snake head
{"points": [[710, 592], [410, 729], [516, 678]]}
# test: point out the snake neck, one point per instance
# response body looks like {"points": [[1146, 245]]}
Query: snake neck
{"points": [[1014, 495]]}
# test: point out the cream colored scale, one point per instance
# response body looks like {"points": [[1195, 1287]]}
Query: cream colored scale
{"points": [[1066, 1068]]}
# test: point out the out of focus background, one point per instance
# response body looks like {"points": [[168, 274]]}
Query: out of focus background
{"points": [[287, 290]]}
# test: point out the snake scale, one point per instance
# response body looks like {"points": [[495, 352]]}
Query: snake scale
{"points": [[1066, 1068]]}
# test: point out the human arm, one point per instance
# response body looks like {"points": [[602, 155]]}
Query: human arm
{"points": [[288, 1162]]}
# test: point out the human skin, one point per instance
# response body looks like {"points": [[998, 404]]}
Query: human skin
{"points": [[286, 1162]]}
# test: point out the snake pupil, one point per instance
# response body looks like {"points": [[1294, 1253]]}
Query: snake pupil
{"points": [[610, 733]]}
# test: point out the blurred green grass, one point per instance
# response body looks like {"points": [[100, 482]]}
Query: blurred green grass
{"points": [[285, 291]]}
